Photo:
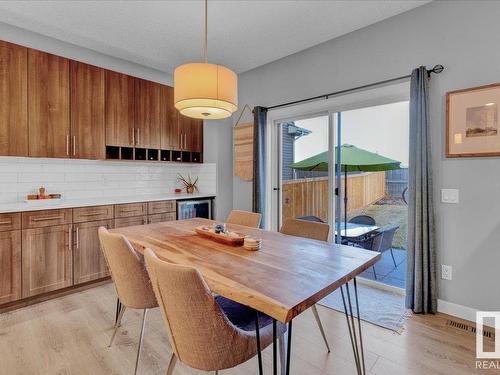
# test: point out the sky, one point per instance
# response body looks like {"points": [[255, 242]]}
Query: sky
{"points": [[381, 129]]}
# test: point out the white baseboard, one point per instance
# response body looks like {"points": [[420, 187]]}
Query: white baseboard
{"points": [[379, 285], [459, 311]]}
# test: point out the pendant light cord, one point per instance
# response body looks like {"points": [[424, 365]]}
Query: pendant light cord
{"points": [[205, 53]]}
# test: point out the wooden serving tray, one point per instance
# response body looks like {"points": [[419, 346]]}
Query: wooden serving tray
{"points": [[221, 237]]}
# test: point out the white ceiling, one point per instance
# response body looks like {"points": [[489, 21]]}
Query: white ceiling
{"points": [[243, 34]]}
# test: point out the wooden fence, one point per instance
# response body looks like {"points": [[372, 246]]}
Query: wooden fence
{"points": [[309, 196], [396, 181]]}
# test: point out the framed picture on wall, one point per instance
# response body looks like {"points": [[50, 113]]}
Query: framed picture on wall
{"points": [[472, 128]]}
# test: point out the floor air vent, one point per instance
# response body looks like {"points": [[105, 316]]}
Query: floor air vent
{"points": [[487, 332]]}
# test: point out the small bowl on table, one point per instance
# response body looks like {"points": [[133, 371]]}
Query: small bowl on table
{"points": [[252, 244]]}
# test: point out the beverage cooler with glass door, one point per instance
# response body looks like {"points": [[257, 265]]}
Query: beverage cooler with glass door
{"points": [[194, 208]]}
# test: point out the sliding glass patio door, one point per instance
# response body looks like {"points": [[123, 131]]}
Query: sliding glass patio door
{"points": [[303, 176], [355, 145]]}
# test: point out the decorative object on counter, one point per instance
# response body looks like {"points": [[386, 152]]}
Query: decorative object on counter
{"points": [[227, 237], [189, 184], [472, 122], [41, 195], [177, 190]]}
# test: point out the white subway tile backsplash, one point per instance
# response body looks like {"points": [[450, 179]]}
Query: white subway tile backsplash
{"points": [[82, 179]]}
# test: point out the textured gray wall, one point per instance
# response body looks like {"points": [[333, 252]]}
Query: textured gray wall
{"points": [[464, 37], [218, 148]]}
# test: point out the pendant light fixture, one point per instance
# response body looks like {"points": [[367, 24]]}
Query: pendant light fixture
{"points": [[205, 91]]}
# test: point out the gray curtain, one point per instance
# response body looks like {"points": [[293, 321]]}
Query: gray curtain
{"points": [[421, 294], [259, 166]]}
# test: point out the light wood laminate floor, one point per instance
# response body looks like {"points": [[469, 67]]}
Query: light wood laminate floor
{"points": [[70, 334]]}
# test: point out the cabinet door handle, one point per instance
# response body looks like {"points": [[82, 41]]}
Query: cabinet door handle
{"points": [[138, 136], [180, 141], [70, 239], [93, 213], [77, 238], [47, 218], [133, 136], [185, 141], [5, 222], [67, 145], [74, 145]]}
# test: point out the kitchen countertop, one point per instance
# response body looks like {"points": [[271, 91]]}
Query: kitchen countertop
{"points": [[50, 204]]}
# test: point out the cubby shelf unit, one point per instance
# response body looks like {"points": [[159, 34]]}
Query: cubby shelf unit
{"points": [[152, 155]]}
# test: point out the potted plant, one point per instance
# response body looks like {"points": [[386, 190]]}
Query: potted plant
{"points": [[188, 183]]}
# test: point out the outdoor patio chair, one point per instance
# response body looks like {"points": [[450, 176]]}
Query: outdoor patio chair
{"points": [[384, 242], [372, 242], [363, 219]]}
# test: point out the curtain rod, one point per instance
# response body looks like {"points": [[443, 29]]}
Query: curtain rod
{"points": [[436, 69]]}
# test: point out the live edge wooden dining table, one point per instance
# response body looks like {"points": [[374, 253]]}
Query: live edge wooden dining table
{"points": [[284, 278]]}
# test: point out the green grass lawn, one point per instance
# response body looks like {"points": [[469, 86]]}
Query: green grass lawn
{"points": [[388, 214]]}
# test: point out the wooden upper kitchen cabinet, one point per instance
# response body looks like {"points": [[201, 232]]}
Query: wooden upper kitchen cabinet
{"points": [[147, 113], [195, 141], [88, 261], [170, 135], [191, 131], [47, 259], [48, 105], [13, 100], [10, 266], [120, 109], [87, 111]]}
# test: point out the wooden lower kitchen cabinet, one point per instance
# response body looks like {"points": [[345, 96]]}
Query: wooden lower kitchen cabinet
{"points": [[130, 221], [159, 218], [88, 261], [130, 210], [10, 266], [47, 259]]}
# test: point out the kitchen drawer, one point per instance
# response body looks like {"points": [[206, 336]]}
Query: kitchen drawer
{"points": [[130, 209], [46, 218], [158, 218], [95, 213], [130, 221], [10, 221], [161, 207]]}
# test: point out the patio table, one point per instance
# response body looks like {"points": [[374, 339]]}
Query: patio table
{"points": [[356, 231]]}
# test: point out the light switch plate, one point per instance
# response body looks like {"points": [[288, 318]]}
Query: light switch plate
{"points": [[449, 195], [446, 272]]}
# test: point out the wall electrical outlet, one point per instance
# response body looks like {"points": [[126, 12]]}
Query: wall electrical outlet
{"points": [[446, 272], [449, 195]]}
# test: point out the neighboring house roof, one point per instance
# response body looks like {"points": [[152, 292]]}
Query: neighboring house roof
{"points": [[297, 131]]}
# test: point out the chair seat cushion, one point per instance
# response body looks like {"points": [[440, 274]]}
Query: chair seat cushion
{"points": [[242, 316]]}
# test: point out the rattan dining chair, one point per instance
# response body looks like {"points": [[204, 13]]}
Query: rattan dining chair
{"points": [[131, 280], [316, 231], [246, 218], [206, 332]]}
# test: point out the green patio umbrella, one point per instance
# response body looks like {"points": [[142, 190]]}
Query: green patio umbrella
{"points": [[352, 159]]}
